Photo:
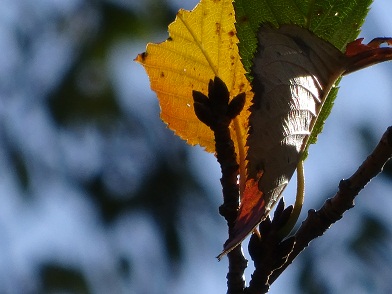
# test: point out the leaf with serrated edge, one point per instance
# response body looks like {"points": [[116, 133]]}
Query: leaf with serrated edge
{"points": [[202, 45]]}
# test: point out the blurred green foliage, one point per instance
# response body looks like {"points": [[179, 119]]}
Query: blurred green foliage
{"points": [[85, 98]]}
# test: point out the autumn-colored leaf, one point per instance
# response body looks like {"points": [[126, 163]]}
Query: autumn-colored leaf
{"points": [[202, 44], [293, 72], [363, 55], [252, 207]]}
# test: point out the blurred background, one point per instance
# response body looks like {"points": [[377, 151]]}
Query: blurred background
{"points": [[98, 196]]}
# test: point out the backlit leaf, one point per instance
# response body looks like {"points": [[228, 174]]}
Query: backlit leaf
{"points": [[336, 21], [202, 44], [293, 52], [293, 71]]}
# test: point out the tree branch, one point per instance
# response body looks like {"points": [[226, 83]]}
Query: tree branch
{"points": [[319, 221], [217, 112], [267, 250], [270, 253]]}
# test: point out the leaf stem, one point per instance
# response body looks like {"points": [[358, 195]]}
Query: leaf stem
{"points": [[241, 154], [333, 209], [299, 201]]}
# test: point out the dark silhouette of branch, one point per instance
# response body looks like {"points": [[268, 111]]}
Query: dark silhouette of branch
{"points": [[270, 248], [217, 112], [270, 253], [319, 221], [267, 249]]}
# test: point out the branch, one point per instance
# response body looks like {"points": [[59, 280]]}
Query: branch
{"points": [[270, 253], [319, 221], [267, 250], [217, 113]]}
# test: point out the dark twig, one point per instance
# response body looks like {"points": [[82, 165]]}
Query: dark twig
{"points": [[267, 250], [217, 112], [272, 256], [270, 253], [319, 221]]}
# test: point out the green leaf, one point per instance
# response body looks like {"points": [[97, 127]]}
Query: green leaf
{"points": [[336, 21]]}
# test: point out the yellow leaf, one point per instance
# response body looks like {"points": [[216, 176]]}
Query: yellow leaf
{"points": [[202, 44]]}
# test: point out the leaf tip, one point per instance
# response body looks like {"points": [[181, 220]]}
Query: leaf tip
{"points": [[251, 213], [236, 105], [141, 57]]}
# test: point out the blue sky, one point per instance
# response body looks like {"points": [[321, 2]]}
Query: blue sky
{"points": [[30, 232]]}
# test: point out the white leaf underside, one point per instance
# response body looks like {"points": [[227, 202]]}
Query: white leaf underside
{"points": [[293, 72]]}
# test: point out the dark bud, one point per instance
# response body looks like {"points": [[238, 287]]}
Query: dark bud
{"points": [[199, 97], [265, 226], [202, 108], [255, 248], [281, 215], [236, 105], [218, 92], [284, 217], [279, 209], [216, 107], [389, 135]]}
